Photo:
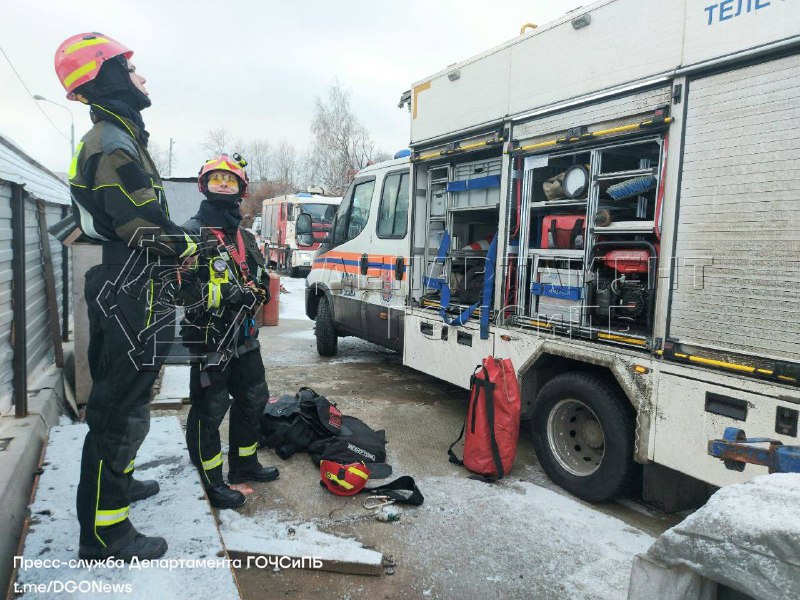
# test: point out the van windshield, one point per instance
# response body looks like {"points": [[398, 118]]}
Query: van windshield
{"points": [[320, 213]]}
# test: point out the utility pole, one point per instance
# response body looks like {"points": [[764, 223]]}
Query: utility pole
{"points": [[171, 141]]}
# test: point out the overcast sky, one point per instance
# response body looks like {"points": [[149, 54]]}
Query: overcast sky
{"points": [[252, 67]]}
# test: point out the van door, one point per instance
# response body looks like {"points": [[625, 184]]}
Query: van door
{"points": [[386, 287], [339, 268]]}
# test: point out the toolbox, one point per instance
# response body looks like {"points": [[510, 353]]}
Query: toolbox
{"points": [[558, 294]]}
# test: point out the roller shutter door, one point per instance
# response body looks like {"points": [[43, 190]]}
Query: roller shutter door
{"points": [[738, 238]]}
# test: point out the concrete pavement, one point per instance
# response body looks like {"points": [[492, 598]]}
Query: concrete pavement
{"points": [[519, 538]]}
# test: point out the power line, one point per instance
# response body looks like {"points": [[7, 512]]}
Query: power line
{"points": [[41, 110]]}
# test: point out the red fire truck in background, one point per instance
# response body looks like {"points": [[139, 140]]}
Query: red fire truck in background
{"points": [[283, 248]]}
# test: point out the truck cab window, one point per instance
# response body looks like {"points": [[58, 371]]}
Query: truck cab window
{"points": [[353, 211], [393, 212]]}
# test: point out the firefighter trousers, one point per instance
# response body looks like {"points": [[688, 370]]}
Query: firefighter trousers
{"points": [[244, 380], [118, 414]]}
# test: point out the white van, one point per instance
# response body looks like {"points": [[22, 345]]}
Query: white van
{"points": [[358, 285], [632, 207]]}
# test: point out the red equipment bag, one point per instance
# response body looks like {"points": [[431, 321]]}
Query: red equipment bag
{"points": [[492, 421], [563, 232]]}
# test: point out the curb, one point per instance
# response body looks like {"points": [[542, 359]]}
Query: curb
{"points": [[19, 463]]}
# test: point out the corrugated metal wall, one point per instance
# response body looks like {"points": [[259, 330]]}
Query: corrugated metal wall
{"points": [[39, 337], [6, 315]]}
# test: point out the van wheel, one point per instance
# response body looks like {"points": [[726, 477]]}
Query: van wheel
{"points": [[294, 272], [327, 340], [583, 434]]}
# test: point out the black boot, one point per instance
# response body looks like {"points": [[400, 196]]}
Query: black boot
{"points": [[141, 546], [258, 473], [221, 496], [139, 490]]}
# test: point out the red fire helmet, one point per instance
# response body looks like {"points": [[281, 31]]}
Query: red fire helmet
{"points": [[223, 163], [79, 58], [343, 480]]}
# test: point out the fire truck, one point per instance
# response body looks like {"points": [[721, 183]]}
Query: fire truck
{"points": [[610, 201], [285, 249]]}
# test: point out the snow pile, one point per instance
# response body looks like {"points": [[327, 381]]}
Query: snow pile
{"points": [[551, 545], [747, 536], [179, 512], [265, 534]]}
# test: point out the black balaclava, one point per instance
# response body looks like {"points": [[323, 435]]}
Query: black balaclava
{"points": [[113, 89], [221, 210]]}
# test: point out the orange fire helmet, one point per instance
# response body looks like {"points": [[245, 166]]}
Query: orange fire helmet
{"points": [[79, 58], [343, 480]]}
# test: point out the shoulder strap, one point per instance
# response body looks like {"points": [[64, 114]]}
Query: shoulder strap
{"points": [[498, 464], [473, 400], [576, 234], [476, 384], [236, 251]]}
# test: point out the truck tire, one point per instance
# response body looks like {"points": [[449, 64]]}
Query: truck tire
{"points": [[294, 272], [583, 434], [327, 340]]}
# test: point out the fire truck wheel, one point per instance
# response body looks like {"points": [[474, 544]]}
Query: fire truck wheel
{"points": [[327, 340], [583, 434]]}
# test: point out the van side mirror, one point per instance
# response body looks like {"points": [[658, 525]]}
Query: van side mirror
{"points": [[302, 225]]}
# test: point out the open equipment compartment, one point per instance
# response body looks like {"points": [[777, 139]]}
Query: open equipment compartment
{"points": [[463, 208], [588, 238]]}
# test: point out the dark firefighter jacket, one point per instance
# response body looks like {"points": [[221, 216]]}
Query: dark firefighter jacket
{"points": [[117, 192], [220, 307]]}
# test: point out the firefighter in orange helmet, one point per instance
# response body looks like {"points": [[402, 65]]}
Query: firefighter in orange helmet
{"points": [[118, 202], [221, 332]]}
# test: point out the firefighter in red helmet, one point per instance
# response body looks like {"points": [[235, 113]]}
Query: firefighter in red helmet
{"points": [[118, 202], [220, 330]]}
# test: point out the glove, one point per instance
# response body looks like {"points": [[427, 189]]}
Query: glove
{"points": [[262, 294]]}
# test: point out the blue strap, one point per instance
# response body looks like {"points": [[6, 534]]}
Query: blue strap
{"points": [[437, 283], [444, 248], [484, 302], [488, 288]]}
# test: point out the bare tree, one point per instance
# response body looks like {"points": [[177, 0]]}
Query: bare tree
{"points": [[341, 144], [287, 165], [259, 157], [160, 156], [219, 141], [251, 206]]}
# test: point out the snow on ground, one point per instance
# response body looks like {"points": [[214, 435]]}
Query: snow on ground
{"points": [[302, 346], [292, 306], [179, 512], [174, 383], [264, 533], [545, 544]]}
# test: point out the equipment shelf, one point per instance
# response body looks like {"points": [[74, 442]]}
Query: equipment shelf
{"points": [[626, 174], [627, 227], [557, 252], [567, 202]]}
